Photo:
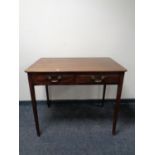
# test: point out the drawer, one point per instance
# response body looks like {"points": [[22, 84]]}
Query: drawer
{"points": [[97, 79], [52, 79]]}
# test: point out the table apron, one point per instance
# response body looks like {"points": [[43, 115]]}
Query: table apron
{"points": [[74, 79]]}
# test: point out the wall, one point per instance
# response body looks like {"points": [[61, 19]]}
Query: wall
{"points": [[77, 28]]}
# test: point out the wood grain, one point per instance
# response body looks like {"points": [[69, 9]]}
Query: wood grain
{"points": [[75, 65]]}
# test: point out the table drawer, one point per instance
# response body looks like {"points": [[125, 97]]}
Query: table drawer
{"points": [[74, 79], [97, 79], [52, 78]]}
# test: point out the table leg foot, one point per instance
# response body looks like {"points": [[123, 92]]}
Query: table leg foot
{"points": [[38, 134]]}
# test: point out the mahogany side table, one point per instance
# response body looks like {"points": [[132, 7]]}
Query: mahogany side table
{"points": [[75, 71]]}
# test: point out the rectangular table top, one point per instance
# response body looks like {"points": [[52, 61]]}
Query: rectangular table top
{"points": [[75, 65]]}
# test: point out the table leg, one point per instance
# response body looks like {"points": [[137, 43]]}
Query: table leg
{"points": [[47, 95], [103, 97], [104, 90], [34, 107], [117, 105]]}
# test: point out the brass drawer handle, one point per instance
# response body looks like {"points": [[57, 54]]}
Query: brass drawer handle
{"points": [[97, 80], [55, 79]]}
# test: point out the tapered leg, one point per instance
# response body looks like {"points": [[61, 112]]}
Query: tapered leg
{"points": [[117, 105], [103, 97], [47, 96], [104, 90], [34, 106]]}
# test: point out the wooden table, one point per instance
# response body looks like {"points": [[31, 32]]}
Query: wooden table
{"points": [[75, 71]]}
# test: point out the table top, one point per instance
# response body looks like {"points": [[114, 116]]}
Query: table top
{"points": [[75, 65]]}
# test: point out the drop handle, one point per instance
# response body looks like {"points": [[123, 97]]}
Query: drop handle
{"points": [[96, 79], [55, 79]]}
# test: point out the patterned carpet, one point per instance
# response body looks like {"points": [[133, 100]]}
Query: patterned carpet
{"points": [[77, 128]]}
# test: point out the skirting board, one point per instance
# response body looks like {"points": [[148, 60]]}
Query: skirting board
{"points": [[86, 101]]}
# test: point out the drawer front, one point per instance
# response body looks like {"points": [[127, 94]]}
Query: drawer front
{"points": [[74, 79], [56, 79], [98, 79]]}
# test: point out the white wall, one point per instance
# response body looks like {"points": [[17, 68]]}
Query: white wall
{"points": [[77, 28]]}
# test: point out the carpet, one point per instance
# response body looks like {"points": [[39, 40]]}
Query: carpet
{"points": [[76, 129]]}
